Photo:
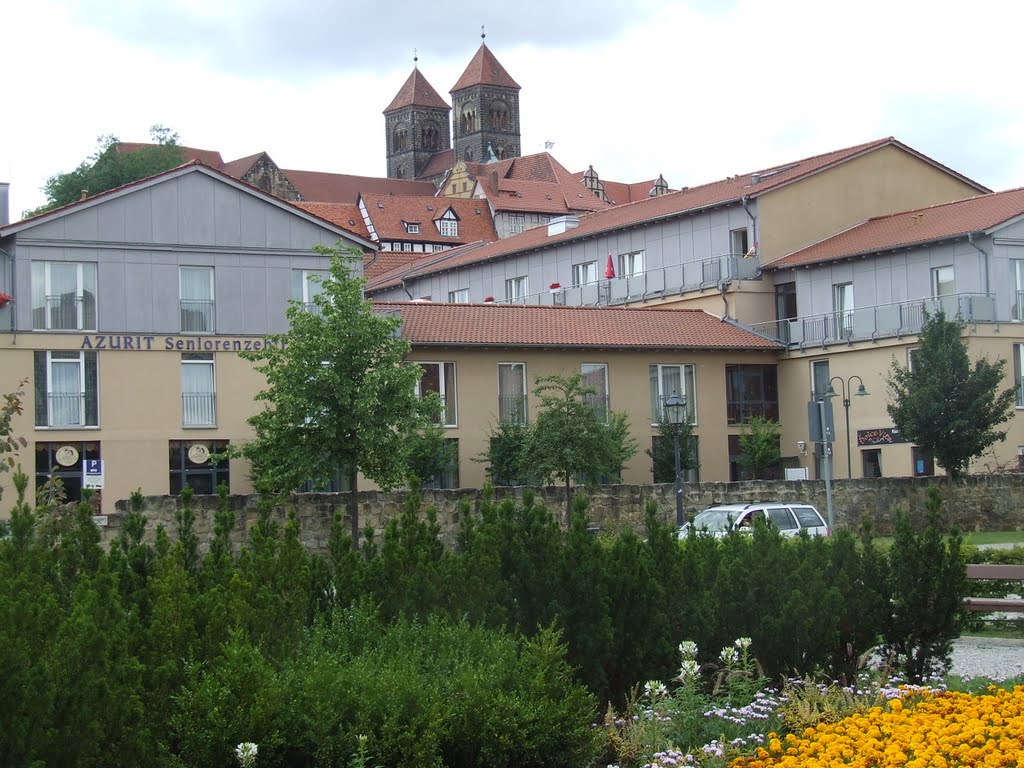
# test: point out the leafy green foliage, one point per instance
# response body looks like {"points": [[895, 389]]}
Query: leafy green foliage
{"points": [[945, 406], [508, 454], [662, 450], [111, 166], [9, 443], [759, 443]]}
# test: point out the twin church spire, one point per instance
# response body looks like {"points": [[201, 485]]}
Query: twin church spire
{"points": [[481, 123]]}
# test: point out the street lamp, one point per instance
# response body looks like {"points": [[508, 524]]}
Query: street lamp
{"points": [[675, 411], [847, 389]]}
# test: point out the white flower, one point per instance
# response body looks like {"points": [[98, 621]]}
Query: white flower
{"points": [[655, 689], [688, 649], [688, 670], [743, 643], [246, 753], [728, 656]]}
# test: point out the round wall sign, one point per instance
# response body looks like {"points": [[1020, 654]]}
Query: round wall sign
{"points": [[198, 453], [67, 455]]}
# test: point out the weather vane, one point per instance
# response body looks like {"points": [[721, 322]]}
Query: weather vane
{"points": [[483, 34], [415, 56]]}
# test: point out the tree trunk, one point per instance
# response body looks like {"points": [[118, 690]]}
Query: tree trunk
{"points": [[568, 503], [353, 506]]}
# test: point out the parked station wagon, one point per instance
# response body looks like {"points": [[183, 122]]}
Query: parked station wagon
{"points": [[788, 517]]}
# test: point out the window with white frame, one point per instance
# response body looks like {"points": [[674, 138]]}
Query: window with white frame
{"points": [[738, 241], [1017, 277], [66, 389], [512, 392], [595, 377], [307, 284], [842, 304], [820, 377], [516, 288], [63, 295], [448, 224], [196, 299], [198, 390], [631, 264], [585, 273], [942, 281], [460, 296], [412, 227], [666, 379], [516, 223], [440, 378], [1018, 373]]}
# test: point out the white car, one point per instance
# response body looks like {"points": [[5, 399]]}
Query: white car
{"points": [[789, 517]]}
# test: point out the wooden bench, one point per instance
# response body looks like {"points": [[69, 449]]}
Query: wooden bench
{"points": [[990, 604]]}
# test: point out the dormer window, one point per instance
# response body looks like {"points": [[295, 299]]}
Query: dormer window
{"points": [[448, 224], [412, 227]]}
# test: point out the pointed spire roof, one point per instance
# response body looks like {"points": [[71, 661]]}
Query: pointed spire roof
{"points": [[416, 92], [484, 69]]}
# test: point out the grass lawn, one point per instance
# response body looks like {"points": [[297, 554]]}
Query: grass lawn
{"points": [[974, 538]]}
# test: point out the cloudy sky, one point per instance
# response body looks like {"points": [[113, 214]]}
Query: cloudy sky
{"points": [[692, 89]]}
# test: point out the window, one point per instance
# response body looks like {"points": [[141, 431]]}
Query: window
{"points": [[924, 464], [751, 390], [820, 377], [872, 462], [449, 478], [307, 284], [196, 291], [1018, 373], [198, 395], [738, 241], [739, 470], [842, 305], [66, 389], [192, 463], [448, 224], [516, 223], [631, 264], [942, 282], [1017, 267], [583, 274], [666, 379], [595, 377], [512, 392], [412, 227], [64, 462], [440, 378], [461, 296], [63, 296], [516, 288], [663, 460]]}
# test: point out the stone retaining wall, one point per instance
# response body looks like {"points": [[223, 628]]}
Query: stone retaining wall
{"points": [[987, 502]]}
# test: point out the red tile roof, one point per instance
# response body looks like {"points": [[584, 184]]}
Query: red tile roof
{"points": [[208, 157], [535, 183], [416, 91], [619, 192], [384, 261], [388, 213], [344, 215], [317, 186], [687, 200], [910, 228], [439, 162], [484, 69], [238, 168], [511, 325]]}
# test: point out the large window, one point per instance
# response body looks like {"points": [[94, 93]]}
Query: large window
{"points": [[62, 465], [198, 391], [440, 378], [1018, 373], [595, 377], [583, 274], [307, 284], [751, 390], [460, 296], [842, 305], [666, 379], [631, 264], [820, 377], [516, 223], [63, 296], [196, 292], [512, 392], [192, 463], [1017, 277], [66, 386], [516, 288], [738, 242], [942, 281], [448, 224]]}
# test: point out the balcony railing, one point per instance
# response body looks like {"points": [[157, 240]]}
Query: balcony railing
{"points": [[653, 283], [199, 409], [66, 312], [512, 409], [197, 315], [66, 409], [878, 321]]}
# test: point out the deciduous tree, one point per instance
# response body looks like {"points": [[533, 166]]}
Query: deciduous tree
{"points": [[945, 405], [759, 442]]}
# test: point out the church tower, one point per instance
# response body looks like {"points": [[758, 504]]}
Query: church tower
{"points": [[485, 111], [417, 125]]}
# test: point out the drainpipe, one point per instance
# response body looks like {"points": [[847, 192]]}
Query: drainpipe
{"points": [[753, 219], [406, 290], [970, 239], [722, 287]]}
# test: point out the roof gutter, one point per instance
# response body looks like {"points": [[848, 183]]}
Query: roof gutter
{"points": [[984, 254]]}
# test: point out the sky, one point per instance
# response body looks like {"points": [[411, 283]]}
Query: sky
{"points": [[695, 90]]}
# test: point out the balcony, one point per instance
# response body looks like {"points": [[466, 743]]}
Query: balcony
{"points": [[651, 284], [199, 409], [876, 322], [196, 315]]}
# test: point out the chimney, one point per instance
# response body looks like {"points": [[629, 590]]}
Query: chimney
{"points": [[561, 224], [492, 181], [5, 213]]}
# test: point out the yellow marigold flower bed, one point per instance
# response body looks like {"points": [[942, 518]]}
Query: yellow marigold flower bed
{"points": [[939, 730]]}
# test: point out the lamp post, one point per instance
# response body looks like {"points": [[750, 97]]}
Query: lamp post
{"points": [[675, 410], [847, 388]]}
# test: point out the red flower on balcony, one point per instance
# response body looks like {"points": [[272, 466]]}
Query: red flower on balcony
{"points": [[5, 299], [555, 286], [489, 298]]}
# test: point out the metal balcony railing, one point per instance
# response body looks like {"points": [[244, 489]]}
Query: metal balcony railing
{"points": [[877, 321], [66, 409], [199, 409], [197, 315], [67, 312], [652, 283]]}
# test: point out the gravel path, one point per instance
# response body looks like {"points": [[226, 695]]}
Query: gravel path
{"points": [[996, 657]]}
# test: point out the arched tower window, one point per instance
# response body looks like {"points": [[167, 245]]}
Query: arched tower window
{"points": [[469, 153], [430, 137], [468, 121], [400, 172], [401, 139], [500, 152], [498, 115]]}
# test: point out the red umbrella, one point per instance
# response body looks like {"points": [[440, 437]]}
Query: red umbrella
{"points": [[609, 271]]}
